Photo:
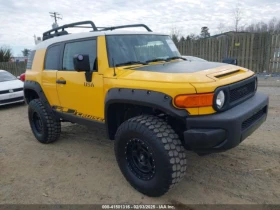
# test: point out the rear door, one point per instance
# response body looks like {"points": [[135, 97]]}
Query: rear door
{"points": [[79, 97]]}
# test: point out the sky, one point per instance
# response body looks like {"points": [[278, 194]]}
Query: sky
{"points": [[20, 20]]}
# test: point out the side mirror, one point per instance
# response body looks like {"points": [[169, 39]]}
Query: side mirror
{"points": [[81, 62], [230, 61]]}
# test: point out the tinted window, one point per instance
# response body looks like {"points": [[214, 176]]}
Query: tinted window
{"points": [[52, 58], [81, 47], [30, 59], [6, 76]]}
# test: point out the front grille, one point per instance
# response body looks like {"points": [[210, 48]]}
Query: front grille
{"points": [[242, 91], [8, 91], [247, 123], [17, 89], [11, 100]]}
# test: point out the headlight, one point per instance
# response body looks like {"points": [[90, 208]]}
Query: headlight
{"points": [[220, 99]]}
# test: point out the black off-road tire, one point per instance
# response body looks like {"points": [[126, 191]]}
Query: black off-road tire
{"points": [[168, 154], [50, 126]]}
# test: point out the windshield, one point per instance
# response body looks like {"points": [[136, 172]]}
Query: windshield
{"points": [[130, 49], [6, 76]]}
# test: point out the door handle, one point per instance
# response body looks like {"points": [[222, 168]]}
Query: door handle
{"points": [[61, 82]]}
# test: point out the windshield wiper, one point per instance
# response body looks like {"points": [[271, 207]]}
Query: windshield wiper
{"points": [[130, 63], [155, 60], [174, 58]]}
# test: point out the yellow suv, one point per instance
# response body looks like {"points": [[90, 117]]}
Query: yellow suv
{"points": [[152, 102]]}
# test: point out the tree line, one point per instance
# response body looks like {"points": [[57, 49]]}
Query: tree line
{"points": [[272, 26], [6, 53]]}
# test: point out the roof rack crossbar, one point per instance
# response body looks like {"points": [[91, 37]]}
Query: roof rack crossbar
{"points": [[82, 27], [125, 26], [49, 34]]}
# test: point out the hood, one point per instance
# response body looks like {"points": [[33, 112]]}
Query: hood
{"points": [[181, 67], [12, 84], [180, 71]]}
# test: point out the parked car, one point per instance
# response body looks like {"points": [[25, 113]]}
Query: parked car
{"points": [[11, 89], [151, 101], [193, 58]]}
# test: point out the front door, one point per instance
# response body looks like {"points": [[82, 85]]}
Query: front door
{"points": [[76, 95]]}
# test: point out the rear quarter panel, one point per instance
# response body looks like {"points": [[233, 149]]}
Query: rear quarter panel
{"points": [[46, 79]]}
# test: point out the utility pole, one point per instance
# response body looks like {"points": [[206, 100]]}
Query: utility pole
{"points": [[55, 15]]}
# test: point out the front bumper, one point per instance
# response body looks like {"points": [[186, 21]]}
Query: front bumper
{"points": [[222, 131], [10, 98]]}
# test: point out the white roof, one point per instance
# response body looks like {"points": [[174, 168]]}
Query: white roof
{"points": [[46, 43]]}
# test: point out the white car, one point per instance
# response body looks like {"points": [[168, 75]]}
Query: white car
{"points": [[11, 89]]}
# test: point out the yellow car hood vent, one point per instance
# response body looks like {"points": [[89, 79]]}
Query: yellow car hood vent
{"points": [[231, 73]]}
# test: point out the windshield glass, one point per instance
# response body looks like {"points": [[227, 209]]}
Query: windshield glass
{"points": [[6, 76], [126, 49]]}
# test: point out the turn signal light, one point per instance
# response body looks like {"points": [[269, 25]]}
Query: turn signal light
{"points": [[192, 101]]}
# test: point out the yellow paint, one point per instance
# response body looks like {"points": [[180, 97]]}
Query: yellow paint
{"points": [[206, 110], [37, 67], [49, 87], [88, 101], [74, 95], [102, 58], [211, 86]]}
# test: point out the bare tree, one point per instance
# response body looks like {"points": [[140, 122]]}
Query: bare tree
{"points": [[271, 24], [221, 27], [277, 27], [264, 27], [237, 15], [182, 39], [175, 34], [193, 36], [250, 28]]}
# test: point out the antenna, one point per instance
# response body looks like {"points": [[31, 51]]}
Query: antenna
{"points": [[37, 40], [55, 15], [114, 67]]}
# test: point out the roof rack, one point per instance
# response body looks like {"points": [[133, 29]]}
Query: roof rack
{"points": [[124, 26], [60, 31]]}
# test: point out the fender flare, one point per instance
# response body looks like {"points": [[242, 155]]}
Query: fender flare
{"points": [[35, 86], [149, 98]]}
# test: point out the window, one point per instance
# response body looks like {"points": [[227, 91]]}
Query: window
{"points": [[6, 76], [82, 47], [139, 47], [30, 59], [52, 58]]}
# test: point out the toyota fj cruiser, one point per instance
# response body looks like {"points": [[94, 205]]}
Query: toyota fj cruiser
{"points": [[152, 102]]}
